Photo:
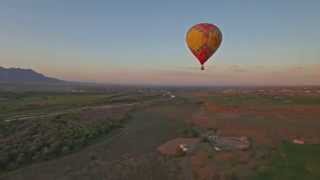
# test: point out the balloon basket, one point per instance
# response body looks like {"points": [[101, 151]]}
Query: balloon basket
{"points": [[202, 68]]}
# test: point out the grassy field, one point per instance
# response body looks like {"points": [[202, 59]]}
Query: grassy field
{"points": [[292, 161], [22, 103], [268, 120], [25, 103], [256, 99]]}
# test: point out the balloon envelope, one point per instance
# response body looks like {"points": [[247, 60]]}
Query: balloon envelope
{"points": [[203, 40]]}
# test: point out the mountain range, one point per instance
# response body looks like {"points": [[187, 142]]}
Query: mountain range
{"points": [[18, 75]]}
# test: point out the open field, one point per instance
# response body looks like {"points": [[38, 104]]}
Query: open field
{"points": [[272, 119], [116, 135]]}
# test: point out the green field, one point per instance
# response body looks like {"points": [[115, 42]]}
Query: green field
{"points": [[255, 99], [292, 162]]}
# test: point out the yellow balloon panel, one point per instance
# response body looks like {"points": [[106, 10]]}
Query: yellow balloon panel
{"points": [[195, 39]]}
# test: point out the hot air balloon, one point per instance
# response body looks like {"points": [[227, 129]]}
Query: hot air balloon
{"points": [[203, 40]]}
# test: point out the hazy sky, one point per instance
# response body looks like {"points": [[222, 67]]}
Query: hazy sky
{"points": [[142, 41]]}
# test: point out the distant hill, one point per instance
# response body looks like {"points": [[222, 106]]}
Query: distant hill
{"points": [[18, 75]]}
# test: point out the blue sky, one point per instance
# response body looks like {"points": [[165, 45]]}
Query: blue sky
{"points": [[131, 41]]}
